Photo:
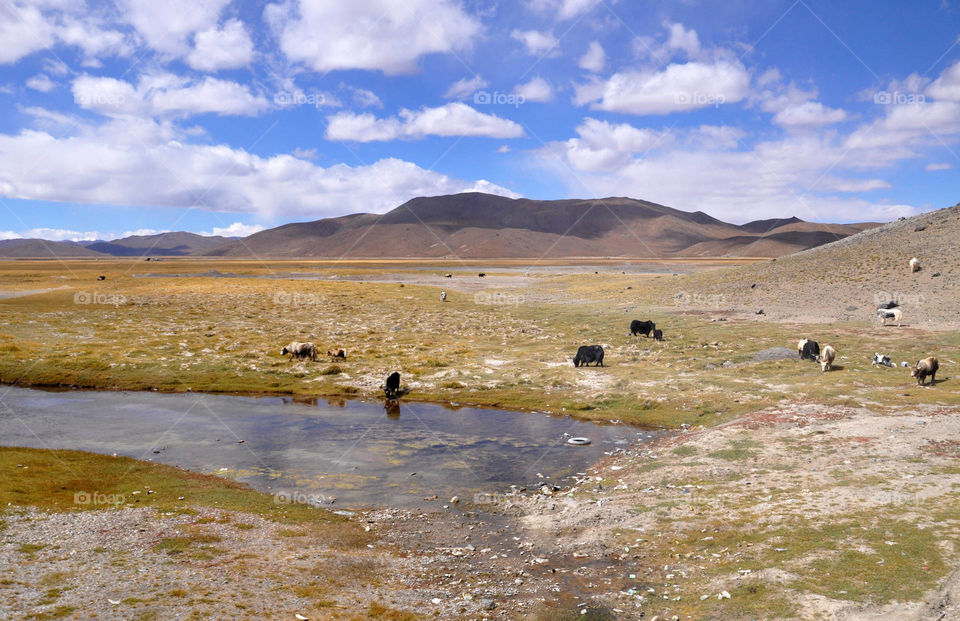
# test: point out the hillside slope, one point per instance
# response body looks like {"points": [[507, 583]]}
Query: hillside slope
{"points": [[847, 279], [177, 243], [43, 249]]}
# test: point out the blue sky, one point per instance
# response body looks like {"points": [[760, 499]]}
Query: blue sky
{"points": [[227, 116]]}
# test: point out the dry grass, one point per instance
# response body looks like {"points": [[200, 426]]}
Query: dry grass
{"points": [[224, 335]]}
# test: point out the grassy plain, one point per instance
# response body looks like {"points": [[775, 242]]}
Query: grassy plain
{"points": [[506, 340]]}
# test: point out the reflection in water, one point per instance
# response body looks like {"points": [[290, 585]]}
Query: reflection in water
{"points": [[361, 453]]}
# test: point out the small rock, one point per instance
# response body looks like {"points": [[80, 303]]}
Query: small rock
{"points": [[487, 604], [454, 500]]}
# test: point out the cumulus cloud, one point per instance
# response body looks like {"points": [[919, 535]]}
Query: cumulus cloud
{"points": [[537, 43], [381, 35], [465, 87], [602, 145], [947, 86], [166, 95], [809, 113], [226, 47], [168, 26], [23, 30], [594, 59], [237, 229], [676, 88], [452, 119], [537, 89], [41, 82], [562, 9], [136, 161]]}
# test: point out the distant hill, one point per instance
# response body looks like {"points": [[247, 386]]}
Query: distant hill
{"points": [[476, 225], [162, 244], [849, 278], [39, 248]]}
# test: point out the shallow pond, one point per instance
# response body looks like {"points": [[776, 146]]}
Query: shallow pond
{"points": [[342, 452]]}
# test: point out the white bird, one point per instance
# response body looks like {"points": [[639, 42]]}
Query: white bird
{"points": [[443, 296]]}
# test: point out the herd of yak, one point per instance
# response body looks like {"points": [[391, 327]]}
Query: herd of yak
{"points": [[807, 349]]}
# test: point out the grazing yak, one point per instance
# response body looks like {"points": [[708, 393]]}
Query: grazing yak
{"points": [[337, 355], [658, 335], [587, 354], [914, 265], [443, 296], [642, 327], [808, 350], [827, 355], [300, 350], [893, 313], [392, 386], [925, 367]]}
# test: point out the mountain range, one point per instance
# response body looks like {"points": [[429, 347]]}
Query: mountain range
{"points": [[481, 226]]}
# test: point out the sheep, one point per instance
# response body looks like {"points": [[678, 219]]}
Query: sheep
{"points": [[914, 265], [300, 350], [925, 367], [894, 313], [827, 355]]}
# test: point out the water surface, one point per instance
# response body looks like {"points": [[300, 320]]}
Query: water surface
{"points": [[350, 453]]}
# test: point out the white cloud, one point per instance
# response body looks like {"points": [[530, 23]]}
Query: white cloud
{"points": [[139, 233], [227, 47], [677, 87], [365, 98], [465, 87], [562, 9], [23, 31], [51, 234], [537, 43], [452, 119], [167, 26], [680, 38], [166, 95], [594, 59], [383, 35], [809, 113], [9, 235], [602, 145], [947, 86], [136, 161], [537, 89], [237, 229], [41, 82], [933, 166]]}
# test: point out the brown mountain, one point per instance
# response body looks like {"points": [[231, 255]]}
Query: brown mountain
{"points": [[177, 243], [43, 249], [475, 225]]}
